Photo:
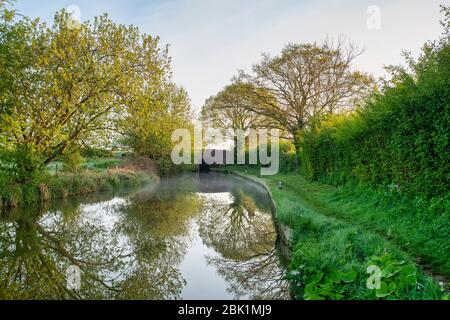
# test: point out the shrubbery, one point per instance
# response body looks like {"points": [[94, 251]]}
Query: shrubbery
{"points": [[400, 138], [331, 257], [69, 184], [287, 157], [96, 153]]}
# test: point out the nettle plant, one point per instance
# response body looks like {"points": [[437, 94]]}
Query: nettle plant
{"points": [[395, 276]]}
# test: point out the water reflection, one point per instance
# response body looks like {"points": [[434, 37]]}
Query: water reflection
{"points": [[132, 246], [240, 229]]}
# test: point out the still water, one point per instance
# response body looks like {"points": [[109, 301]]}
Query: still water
{"points": [[190, 237]]}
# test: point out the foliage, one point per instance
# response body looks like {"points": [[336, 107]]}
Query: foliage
{"points": [[101, 164], [396, 276], [73, 161], [338, 230], [419, 226], [64, 185], [167, 168], [305, 83], [150, 122], [287, 157], [327, 288], [62, 87], [399, 138], [331, 250], [20, 165], [231, 109], [93, 152]]}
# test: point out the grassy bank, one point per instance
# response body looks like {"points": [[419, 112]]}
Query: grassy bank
{"points": [[63, 185], [340, 232]]}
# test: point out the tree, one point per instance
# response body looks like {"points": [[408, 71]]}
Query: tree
{"points": [[64, 84], [8, 38], [150, 122], [305, 83], [232, 109]]}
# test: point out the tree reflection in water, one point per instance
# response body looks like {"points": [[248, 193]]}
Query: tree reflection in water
{"points": [[121, 253], [132, 246], [242, 232]]}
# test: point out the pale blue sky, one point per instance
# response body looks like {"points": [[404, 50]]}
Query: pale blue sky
{"points": [[211, 39]]}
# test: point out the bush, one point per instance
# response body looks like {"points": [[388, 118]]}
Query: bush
{"points": [[101, 164], [400, 138], [287, 157], [330, 260], [96, 153], [70, 184], [73, 161]]}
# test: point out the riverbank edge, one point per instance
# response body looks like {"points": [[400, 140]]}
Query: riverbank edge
{"points": [[286, 233], [67, 185]]}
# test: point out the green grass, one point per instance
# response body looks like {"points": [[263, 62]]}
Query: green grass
{"points": [[339, 231], [63, 185], [95, 174]]}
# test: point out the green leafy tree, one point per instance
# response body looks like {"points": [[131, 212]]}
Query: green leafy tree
{"points": [[305, 83], [61, 85], [73, 160], [150, 122], [232, 109]]}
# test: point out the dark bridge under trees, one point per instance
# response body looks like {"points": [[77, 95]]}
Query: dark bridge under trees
{"points": [[220, 156]]}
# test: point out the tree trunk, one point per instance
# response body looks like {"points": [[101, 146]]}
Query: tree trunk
{"points": [[297, 151], [235, 149]]}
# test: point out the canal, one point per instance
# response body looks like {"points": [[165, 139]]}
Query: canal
{"points": [[207, 236]]}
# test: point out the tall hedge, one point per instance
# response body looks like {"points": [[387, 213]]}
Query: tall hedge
{"points": [[400, 138]]}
